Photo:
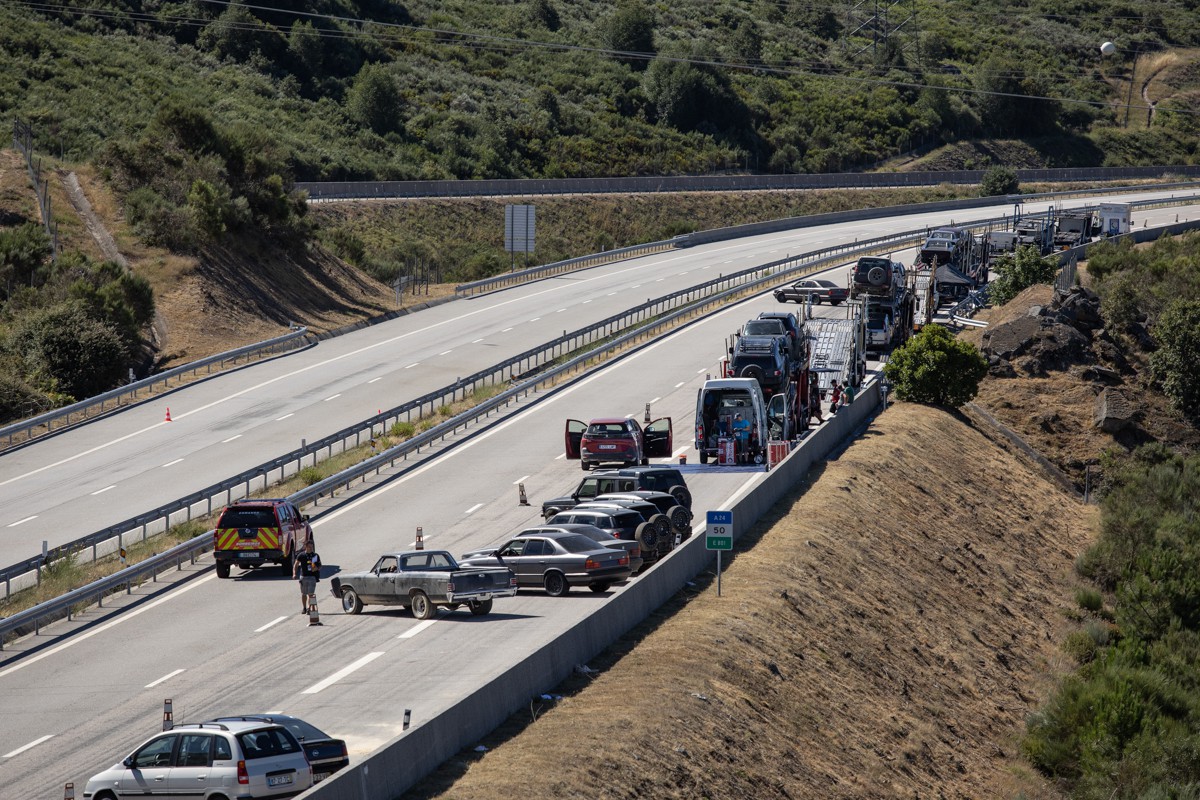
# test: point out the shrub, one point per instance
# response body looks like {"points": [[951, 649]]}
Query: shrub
{"points": [[1018, 271], [403, 430], [1080, 646], [1089, 599], [66, 350], [1174, 363], [999, 180], [310, 475], [934, 367]]}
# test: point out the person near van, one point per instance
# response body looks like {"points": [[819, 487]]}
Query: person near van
{"points": [[835, 397], [814, 399], [741, 430], [848, 395], [307, 568]]}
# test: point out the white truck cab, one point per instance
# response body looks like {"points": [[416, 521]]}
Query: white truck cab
{"points": [[731, 408]]}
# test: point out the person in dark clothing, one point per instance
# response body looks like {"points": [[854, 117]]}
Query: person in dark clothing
{"points": [[307, 568]]}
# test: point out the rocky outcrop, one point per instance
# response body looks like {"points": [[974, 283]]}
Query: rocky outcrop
{"points": [[1114, 412], [1053, 337]]}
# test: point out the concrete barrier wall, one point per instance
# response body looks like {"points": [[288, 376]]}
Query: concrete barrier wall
{"points": [[408, 758]]}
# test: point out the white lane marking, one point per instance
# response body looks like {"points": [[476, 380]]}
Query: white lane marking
{"points": [[414, 364], [660, 280], [334, 397], [105, 489], [518, 480], [373, 380], [610, 294], [535, 319], [34, 743], [22, 521], [171, 463], [679, 384], [285, 416], [477, 341], [585, 302], [655, 400], [474, 508], [124, 616], [680, 451], [701, 372], [420, 626], [445, 352], [636, 286], [558, 457], [231, 438], [629, 416], [560, 311], [683, 273], [506, 330], [168, 676], [275, 621], [341, 673]]}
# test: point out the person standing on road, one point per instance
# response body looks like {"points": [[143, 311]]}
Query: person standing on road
{"points": [[835, 397], [307, 568], [814, 399]]}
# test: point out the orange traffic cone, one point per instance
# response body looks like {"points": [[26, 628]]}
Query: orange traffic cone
{"points": [[168, 419]]}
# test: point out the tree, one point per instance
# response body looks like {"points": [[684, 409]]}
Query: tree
{"points": [[543, 13], [686, 95], [999, 180], [1174, 363], [64, 349], [630, 30], [1018, 271], [936, 368], [374, 99]]}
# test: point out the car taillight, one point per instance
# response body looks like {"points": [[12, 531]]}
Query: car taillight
{"points": [[635, 551], [623, 561], [512, 579], [243, 776], [591, 563], [450, 586]]}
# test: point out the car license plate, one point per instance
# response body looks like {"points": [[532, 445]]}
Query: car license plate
{"points": [[320, 776], [247, 555], [608, 447], [279, 780]]}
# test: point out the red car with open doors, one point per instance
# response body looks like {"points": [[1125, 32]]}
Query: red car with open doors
{"points": [[617, 440]]}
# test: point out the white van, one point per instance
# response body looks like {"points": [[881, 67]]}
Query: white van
{"points": [[719, 404]]}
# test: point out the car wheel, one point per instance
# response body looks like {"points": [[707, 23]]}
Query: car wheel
{"points": [[703, 457], [222, 569], [549, 513], [681, 494], [351, 602], [480, 607], [835, 302], [285, 566], [556, 585], [647, 537], [421, 607], [663, 525], [817, 300], [599, 587], [105, 796], [681, 521], [645, 461]]}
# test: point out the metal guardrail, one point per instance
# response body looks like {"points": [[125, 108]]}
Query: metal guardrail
{"points": [[29, 426], [521, 187], [98, 590], [558, 267], [184, 508]]}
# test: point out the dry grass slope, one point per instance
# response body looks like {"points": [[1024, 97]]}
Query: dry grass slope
{"points": [[885, 635]]}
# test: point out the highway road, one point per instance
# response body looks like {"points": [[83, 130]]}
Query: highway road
{"points": [[222, 647], [69, 485], [74, 705]]}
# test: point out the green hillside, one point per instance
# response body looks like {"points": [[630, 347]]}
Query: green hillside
{"points": [[471, 89]]}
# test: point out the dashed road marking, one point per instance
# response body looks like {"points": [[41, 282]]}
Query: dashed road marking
{"points": [[102, 491], [273, 622], [34, 743], [166, 677], [341, 673]]}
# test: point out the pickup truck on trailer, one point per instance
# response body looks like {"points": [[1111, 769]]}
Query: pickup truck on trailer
{"points": [[422, 580]]}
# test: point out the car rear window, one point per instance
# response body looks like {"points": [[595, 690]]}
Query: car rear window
{"points": [[578, 543], [606, 431], [267, 743], [627, 520], [247, 518]]}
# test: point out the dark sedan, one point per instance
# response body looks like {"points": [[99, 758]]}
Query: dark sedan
{"points": [[556, 561], [598, 535], [326, 754], [819, 289]]}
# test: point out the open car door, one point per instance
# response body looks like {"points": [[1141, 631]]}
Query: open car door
{"points": [[657, 438], [574, 435]]}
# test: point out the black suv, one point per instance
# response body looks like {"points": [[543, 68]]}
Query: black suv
{"points": [[680, 517], [656, 478]]}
